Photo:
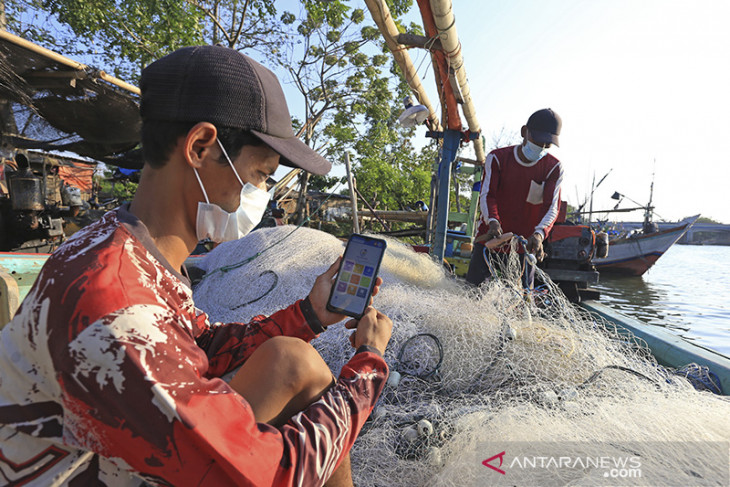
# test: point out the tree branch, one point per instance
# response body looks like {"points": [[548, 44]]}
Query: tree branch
{"points": [[214, 18]]}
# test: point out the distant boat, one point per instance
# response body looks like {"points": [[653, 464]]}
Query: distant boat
{"points": [[635, 253]]}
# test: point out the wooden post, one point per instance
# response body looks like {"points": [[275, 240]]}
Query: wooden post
{"points": [[353, 198], [302, 209], [372, 210]]}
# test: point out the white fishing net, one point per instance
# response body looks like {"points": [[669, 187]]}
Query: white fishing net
{"points": [[478, 367]]}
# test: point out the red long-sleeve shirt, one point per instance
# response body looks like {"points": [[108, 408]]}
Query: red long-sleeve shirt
{"points": [[110, 375], [523, 198]]}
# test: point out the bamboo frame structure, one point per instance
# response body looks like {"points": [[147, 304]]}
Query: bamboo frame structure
{"points": [[53, 56], [381, 15]]}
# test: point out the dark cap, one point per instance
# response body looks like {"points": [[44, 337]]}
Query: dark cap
{"points": [[544, 126], [224, 87]]}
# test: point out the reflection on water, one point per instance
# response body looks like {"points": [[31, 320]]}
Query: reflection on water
{"points": [[640, 299], [687, 290]]}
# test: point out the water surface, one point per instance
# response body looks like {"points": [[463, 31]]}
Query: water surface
{"points": [[687, 291]]}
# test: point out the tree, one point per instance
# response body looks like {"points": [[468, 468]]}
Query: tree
{"points": [[351, 90], [338, 64], [127, 35], [706, 219]]}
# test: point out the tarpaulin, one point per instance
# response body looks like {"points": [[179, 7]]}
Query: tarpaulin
{"points": [[79, 175]]}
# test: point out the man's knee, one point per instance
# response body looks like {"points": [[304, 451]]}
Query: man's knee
{"points": [[478, 270], [298, 364]]}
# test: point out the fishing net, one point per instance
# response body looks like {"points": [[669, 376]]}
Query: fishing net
{"points": [[472, 368]]}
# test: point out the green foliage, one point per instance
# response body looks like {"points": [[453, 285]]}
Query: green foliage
{"points": [[322, 183], [129, 34], [331, 50], [123, 190], [705, 219]]}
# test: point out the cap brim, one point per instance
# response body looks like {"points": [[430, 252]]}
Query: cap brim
{"points": [[296, 153], [544, 137]]}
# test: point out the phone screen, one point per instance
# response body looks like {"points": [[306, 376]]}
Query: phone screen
{"points": [[355, 280]]}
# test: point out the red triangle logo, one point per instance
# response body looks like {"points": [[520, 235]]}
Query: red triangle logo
{"points": [[501, 459]]}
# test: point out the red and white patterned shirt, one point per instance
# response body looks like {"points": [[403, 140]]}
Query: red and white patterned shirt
{"points": [[111, 376]]}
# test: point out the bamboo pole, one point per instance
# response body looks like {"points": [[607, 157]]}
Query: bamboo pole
{"points": [[381, 15], [401, 216], [53, 56], [447, 96], [443, 16], [353, 198], [372, 210]]}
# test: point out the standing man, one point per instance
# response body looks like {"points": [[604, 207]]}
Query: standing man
{"points": [[520, 193], [111, 375]]}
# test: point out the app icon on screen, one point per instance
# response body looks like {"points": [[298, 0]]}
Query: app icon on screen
{"points": [[362, 292], [352, 290], [341, 286], [368, 271], [355, 279], [348, 265]]}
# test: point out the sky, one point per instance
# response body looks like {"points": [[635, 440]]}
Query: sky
{"points": [[642, 86]]}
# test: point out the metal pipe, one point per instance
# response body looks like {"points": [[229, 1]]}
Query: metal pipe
{"points": [[443, 16], [452, 139], [449, 104]]}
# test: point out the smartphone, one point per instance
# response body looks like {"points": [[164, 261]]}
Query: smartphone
{"points": [[353, 287]]}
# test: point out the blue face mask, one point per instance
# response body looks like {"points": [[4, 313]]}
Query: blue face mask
{"points": [[533, 152]]}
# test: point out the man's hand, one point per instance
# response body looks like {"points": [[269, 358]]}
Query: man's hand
{"points": [[495, 230], [534, 246], [320, 293], [374, 329]]}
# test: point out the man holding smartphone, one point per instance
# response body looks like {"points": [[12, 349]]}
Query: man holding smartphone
{"points": [[111, 375]]}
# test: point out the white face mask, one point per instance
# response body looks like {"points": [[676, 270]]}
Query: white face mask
{"points": [[533, 152], [216, 224]]}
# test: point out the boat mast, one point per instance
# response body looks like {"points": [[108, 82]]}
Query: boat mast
{"points": [[648, 211], [590, 206], [594, 187]]}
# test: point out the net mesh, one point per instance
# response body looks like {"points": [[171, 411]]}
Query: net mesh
{"points": [[475, 365]]}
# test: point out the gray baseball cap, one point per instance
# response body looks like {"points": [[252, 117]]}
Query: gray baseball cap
{"points": [[544, 126], [222, 86]]}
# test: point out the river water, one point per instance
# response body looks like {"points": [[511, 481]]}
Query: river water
{"points": [[687, 291]]}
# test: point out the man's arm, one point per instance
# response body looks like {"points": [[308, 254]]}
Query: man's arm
{"points": [[229, 345], [551, 200], [490, 183], [140, 394]]}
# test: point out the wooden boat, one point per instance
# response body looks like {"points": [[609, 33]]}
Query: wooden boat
{"points": [[635, 253], [19, 271], [668, 348]]}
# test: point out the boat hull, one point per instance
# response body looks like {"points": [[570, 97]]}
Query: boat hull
{"points": [[669, 349], [633, 256]]}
